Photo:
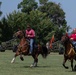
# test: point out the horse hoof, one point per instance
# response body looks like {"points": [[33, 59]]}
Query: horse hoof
{"points": [[74, 68], [22, 58], [31, 65], [35, 65], [66, 67], [12, 62]]}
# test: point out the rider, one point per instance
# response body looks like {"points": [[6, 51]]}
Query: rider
{"points": [[73, 38], [30, 34]]}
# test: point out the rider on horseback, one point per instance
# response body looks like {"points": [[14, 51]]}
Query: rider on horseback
{"points": [[30, 34], [73, 38]]}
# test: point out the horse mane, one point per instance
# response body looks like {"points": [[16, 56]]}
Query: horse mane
{"points": [[67, 35], [23, 31], [68, 41]]}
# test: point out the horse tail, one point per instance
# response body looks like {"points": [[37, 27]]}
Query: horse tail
{"points": [[44, 51]]}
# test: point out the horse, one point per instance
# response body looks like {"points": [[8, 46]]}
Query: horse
{"points": [[69, 53], [23, 49]]}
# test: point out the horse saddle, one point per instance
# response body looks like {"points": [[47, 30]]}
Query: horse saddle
{"points": [[35, 47]]}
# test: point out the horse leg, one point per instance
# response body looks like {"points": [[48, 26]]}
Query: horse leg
{"points": [[72, 64], [21, 57], [64, 61], [35, 61], [17, 54], [13, 60]]}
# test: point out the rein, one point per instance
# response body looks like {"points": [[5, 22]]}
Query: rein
{"points": [[23, 43], [72, 49]]}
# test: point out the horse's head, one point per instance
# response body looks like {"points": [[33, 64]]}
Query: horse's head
{"points": [[65, 39], [19, 34]]}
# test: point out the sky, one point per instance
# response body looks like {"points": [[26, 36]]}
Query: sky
{"points": [[68, 6]]}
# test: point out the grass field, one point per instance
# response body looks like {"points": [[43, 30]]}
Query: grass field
{"points": [[52, 65]]}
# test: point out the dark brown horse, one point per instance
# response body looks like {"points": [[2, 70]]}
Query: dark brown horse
{"points": [[23, 49], [69, 53]]}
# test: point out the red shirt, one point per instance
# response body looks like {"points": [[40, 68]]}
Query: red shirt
{"points": [[73, 36], [30, 33]]}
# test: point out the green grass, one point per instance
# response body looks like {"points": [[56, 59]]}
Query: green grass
{"points": [[52, 65]]}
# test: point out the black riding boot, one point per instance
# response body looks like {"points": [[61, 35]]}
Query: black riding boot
{"points": [[74, 45], [75, 49]]}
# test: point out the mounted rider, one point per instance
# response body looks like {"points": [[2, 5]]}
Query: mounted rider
{"points": [[30, 34], [73, 38]]}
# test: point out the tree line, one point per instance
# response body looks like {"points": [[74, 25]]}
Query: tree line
{"points": [[46, 17]]}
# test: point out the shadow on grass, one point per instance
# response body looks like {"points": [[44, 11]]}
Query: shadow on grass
{"points": [[37, 67], [71, 71]]}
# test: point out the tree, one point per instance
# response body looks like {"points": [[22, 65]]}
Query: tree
{"points": [[56, 15], [6, 33], [0, 10], [48, 19], [52, 10], [43, 1], [0, 21], [27, 5], [0, 31], [42, 25], [17, 20], [38, 20]]}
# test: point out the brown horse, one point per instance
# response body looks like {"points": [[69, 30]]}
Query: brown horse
{"points": [[23, 49], [69, 53]]}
